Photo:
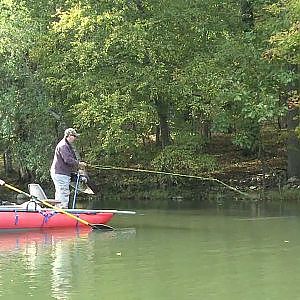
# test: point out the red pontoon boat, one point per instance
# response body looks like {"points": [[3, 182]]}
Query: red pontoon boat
{"points": [[16, 217], [31, 215]]}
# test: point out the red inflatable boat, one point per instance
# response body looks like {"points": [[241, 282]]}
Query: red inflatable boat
{"points": [[15, 217]]}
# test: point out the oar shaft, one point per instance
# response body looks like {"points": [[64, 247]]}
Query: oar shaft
{"points": [[15, 189]]}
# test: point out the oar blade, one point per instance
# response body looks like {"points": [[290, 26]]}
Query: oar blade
{"points": [[102, 227]]}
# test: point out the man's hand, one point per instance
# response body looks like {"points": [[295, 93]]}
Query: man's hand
{"points": [[2, 182], [81, 165], [83, 179]]}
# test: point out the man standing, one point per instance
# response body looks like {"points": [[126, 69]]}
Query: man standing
{"points": [[64, 162]]}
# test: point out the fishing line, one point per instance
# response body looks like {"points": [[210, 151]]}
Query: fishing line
{"points": [[171, 174]]}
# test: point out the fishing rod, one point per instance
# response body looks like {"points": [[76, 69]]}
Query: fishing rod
{"points": [[171, 174]]}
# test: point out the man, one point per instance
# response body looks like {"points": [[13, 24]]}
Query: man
{"points": [[64, 162]]}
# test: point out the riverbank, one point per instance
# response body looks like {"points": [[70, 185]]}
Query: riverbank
{"points": [[243, 172], [248, 171]]}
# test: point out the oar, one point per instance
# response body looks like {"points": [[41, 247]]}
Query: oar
{"points": [[94, 226]]}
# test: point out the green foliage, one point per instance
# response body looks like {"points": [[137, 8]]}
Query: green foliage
{"points": [[113, 68], [248, 138], [282, 20], [184, 156], [117, 126], [23, 106]]}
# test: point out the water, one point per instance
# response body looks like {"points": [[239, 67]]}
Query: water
{"points": [[163, 255]]}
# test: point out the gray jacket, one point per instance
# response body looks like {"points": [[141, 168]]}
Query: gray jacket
{"points": [[64, 161]]}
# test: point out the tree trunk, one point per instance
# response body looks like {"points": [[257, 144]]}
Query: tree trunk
{"points": [[24, 174], [164, 129], [157, 135], [247, 15], [204, 128], [140, 6], [7, 159], [282, 120], [293, 144]]}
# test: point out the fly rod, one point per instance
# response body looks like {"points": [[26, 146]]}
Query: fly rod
{"points": [[171, 174]]}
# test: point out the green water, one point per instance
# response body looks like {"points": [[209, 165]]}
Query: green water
{"points": [[157, 255]]}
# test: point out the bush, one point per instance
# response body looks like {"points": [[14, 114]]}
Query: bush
{"points": [[183, 160]]}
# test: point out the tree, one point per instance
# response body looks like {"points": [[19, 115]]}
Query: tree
{"points": [[22, 102], [284, 47]]}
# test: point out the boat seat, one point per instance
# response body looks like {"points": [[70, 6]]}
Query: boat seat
{"points": [[37, 191]]}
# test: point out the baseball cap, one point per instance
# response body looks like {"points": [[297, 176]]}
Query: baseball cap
{"points": [[71, 131]]}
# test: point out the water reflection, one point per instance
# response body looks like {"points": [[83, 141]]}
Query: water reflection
{"points": [[27, 240], [61, 266], [47, 260], [190, 255]]}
